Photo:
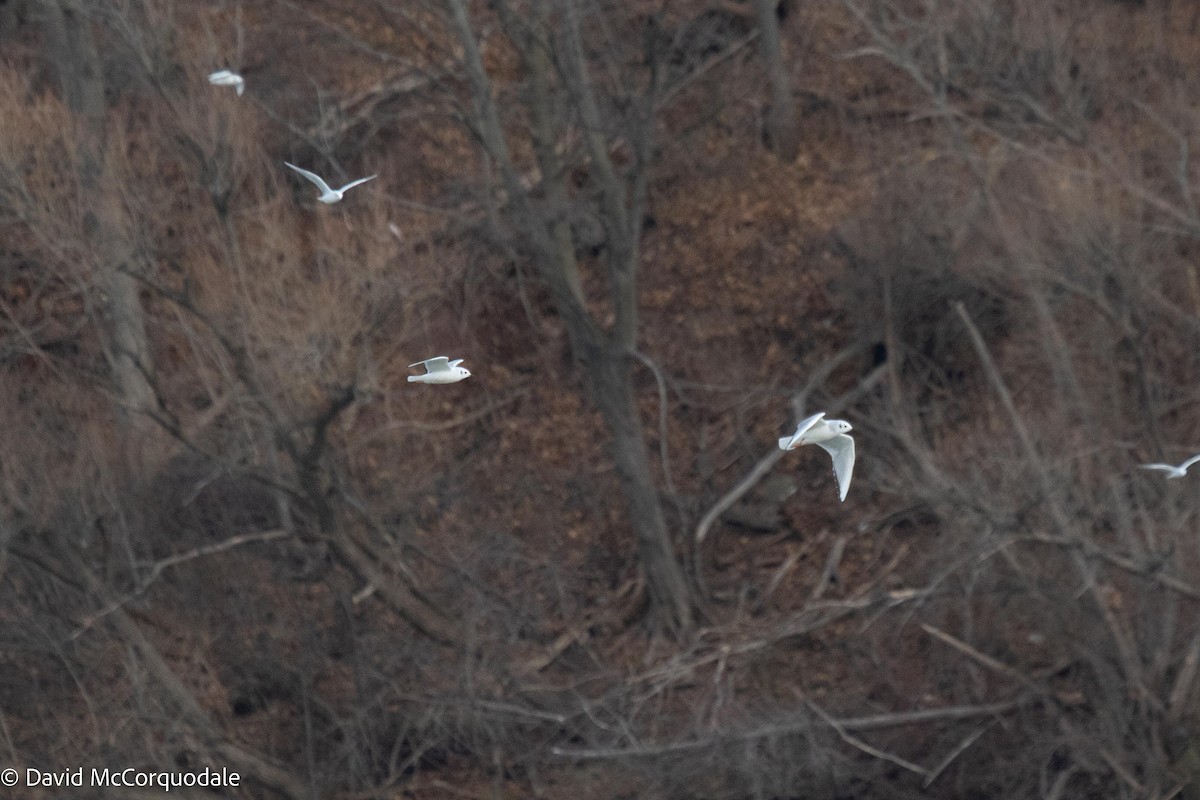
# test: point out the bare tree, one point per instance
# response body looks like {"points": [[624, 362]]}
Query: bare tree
{"points": [[77, 62], [563, 101], [1074, 231], [268, 372], [781, 121]]}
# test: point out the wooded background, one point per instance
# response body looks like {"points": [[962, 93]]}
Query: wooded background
{"points": [[659, 233]]}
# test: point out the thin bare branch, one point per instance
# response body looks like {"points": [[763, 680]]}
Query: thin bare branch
{"points": [[867, 723], [870, 750], [156, 570], [969, 740], [980, 657]]}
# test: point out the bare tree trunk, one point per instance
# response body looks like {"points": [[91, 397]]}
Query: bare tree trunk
{"points": [[80, 73], [781, 121], [610, 373], [604, 357], [545, 134], [612, 393]]}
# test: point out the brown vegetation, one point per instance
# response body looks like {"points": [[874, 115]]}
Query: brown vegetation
{"points": [[233, 535]]}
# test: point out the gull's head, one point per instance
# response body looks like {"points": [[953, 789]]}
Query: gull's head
{"points": [[462, 372], [841, 426]]}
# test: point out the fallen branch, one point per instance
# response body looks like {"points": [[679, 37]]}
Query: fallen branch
{"points": [[829, 573], [874, 722], [157, 569], [812, 617], [399, 593], [786, 567], [621, 606], [980, 657]]}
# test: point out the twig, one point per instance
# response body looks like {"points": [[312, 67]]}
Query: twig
{"points": [[1123, 772], [949, 759], [433, 427], [343, 32], [854, 741], [1090, 549], [335, 123], [495, 706], [616, 613], [787, 566], [1014, 417], [747, 483], [700, 71], [158, 567], [874, 722], [980, 657], [832, 562], [663, 449], [1184, 681], [899, 594]]}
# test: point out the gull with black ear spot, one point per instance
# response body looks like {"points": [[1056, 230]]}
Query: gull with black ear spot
{"points": [[440, 370], [832, 435]]}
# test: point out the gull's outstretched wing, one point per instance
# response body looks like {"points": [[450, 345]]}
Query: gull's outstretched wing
{"points": [[1189, 462], [791, 442], [221, 77], [841, 447], [438, 364], [456, 362], [1159, 467], [314, 177], [352, 184]]}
